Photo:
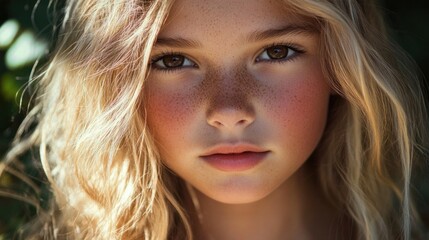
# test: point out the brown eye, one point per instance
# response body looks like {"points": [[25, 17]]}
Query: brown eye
{"points": [[172, 61], [277, 52]]}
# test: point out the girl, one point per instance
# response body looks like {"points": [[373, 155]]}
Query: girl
{"points": [[198, 119]]}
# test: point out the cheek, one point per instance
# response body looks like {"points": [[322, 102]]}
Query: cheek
{"points": [[169, 112], [300, 104], [298, 108]]}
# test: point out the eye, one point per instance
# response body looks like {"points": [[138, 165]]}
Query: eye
{"points": [[172, 61], [278, 53]]}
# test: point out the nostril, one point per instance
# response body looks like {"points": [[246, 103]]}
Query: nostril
{"points": [[230, 118], [229, 123], [241, 122], [218, 123]]}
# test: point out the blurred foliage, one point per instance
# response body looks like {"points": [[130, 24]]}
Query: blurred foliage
{"points": [[28, 34]]}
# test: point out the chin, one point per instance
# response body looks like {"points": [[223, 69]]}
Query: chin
{"points": [[238, 199], [237, 193]]}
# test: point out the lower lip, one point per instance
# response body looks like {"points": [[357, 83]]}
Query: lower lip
{"points": [[235, 162]]}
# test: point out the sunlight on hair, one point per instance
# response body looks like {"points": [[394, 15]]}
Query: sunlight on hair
{"points": [[116, 130]]}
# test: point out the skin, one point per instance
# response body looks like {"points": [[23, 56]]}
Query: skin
{"points": [[225, 94]]}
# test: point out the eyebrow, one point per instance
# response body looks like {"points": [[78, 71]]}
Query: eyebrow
{"points": [[293, 29], [176, 42]]}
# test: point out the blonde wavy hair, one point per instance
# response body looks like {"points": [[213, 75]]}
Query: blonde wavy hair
{"points": [[104, 170]]}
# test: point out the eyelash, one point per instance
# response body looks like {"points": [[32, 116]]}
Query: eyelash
{"points": [[298, 50], [163, 55]]}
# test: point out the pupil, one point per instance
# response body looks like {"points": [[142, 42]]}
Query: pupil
{"points": [[277, 52], [173, 61]]}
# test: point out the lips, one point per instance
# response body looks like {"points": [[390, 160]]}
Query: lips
{"points": [[233, 158]]}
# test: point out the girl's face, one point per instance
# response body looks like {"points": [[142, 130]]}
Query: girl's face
{"points": [[236, 98]]}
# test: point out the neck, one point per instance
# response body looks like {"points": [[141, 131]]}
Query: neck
{"points": [[295, 210]]}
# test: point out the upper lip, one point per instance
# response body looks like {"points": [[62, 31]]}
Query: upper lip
{"points": [[233, 149]]}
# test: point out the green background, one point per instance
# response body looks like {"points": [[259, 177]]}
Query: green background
{"points": [[409, 24]]}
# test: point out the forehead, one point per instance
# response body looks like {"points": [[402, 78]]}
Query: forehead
{"points": [[211, 18]]}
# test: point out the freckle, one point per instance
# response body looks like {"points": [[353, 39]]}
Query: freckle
{"points": [[228, 90], [205, 88]]}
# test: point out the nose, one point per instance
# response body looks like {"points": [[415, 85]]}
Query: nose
{"points": [[230, 109], [230, 106], [230, 118]]}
